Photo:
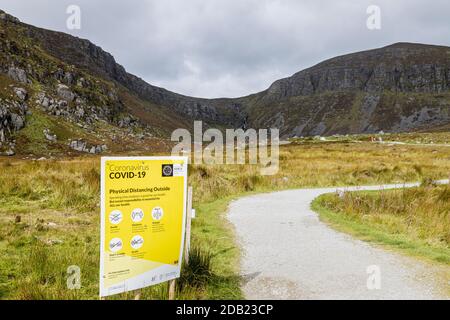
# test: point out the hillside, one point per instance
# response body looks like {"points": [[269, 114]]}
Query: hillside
{"points": [[61, 94], [49, 107], [398, 88]]}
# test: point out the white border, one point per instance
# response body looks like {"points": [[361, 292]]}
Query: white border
{"points": [[103, 292]]}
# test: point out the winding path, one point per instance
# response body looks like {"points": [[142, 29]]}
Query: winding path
{"points": [[288, 253]]}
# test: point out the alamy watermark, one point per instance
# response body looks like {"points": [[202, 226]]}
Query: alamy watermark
{"points": [[73, 22], [374, 20], [374, 279], [238, 147], [73, 278]]}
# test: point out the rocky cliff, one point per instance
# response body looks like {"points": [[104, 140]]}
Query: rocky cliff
{"points": [[401, 87], [87, 56], [39, 91]]}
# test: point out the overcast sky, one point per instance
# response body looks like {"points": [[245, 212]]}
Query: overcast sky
{"points": [[229, 48]]}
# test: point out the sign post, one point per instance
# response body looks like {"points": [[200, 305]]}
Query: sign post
{"points": [[172, 289], [143, 212], [188, 225]]}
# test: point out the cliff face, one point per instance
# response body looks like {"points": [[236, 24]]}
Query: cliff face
{"points": [[401, 87], [87, 56], [400, 67], [396, 88], [41, 94]]}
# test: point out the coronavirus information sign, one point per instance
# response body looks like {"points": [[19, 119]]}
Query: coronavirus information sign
{"points": [[143, 206]]}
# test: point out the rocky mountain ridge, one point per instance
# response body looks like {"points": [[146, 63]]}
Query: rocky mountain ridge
{"points": [[37, 86], [401, 87], [369, 84]]}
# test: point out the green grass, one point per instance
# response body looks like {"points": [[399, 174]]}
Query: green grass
{"points": [[399, 230], [35, 255], [60, 226], [34, 268], [33, 139], [212, 232], [58, 202]]}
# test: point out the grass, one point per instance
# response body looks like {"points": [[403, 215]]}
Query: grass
{"points": [[415, 221], [32, 139], [57, 202], [58, 205]]}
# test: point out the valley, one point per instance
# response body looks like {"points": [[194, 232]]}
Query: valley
{"points": [[49, 208], [72, 89], [369, 118]]}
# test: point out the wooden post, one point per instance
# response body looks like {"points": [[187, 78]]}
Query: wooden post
{"points": [[172, 289], [187, 245]]}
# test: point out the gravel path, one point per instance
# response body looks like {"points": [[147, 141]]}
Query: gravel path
{"points": [[289, 254]]}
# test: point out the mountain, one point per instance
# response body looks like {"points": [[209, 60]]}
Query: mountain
{"points": [[402, 87], [65, 94]]}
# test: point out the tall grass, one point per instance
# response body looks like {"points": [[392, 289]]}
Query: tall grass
{"points": [[57, 184], [419, 216], [198, 271], [58, 205]]}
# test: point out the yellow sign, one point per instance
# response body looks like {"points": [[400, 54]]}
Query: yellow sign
{"points": [[143, 206]]}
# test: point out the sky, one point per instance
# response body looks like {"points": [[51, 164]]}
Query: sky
{"points": [[231, 48]]}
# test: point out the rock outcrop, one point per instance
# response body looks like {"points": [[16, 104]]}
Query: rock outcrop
{"points": [[347, 94], [402, 87], [12, 119], [49, 136], [402, 67], [82, 146]]}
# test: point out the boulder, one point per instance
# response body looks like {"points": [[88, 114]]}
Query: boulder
{"points": [[78, 145], [45, 102], [18, 74], [50, 137], [17, 121], [81, 83], [82, 146], [69, 78], [64, 92], [21, 93]]}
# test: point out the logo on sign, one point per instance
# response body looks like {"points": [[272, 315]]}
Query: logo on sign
{"points": [[167, 170]]}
